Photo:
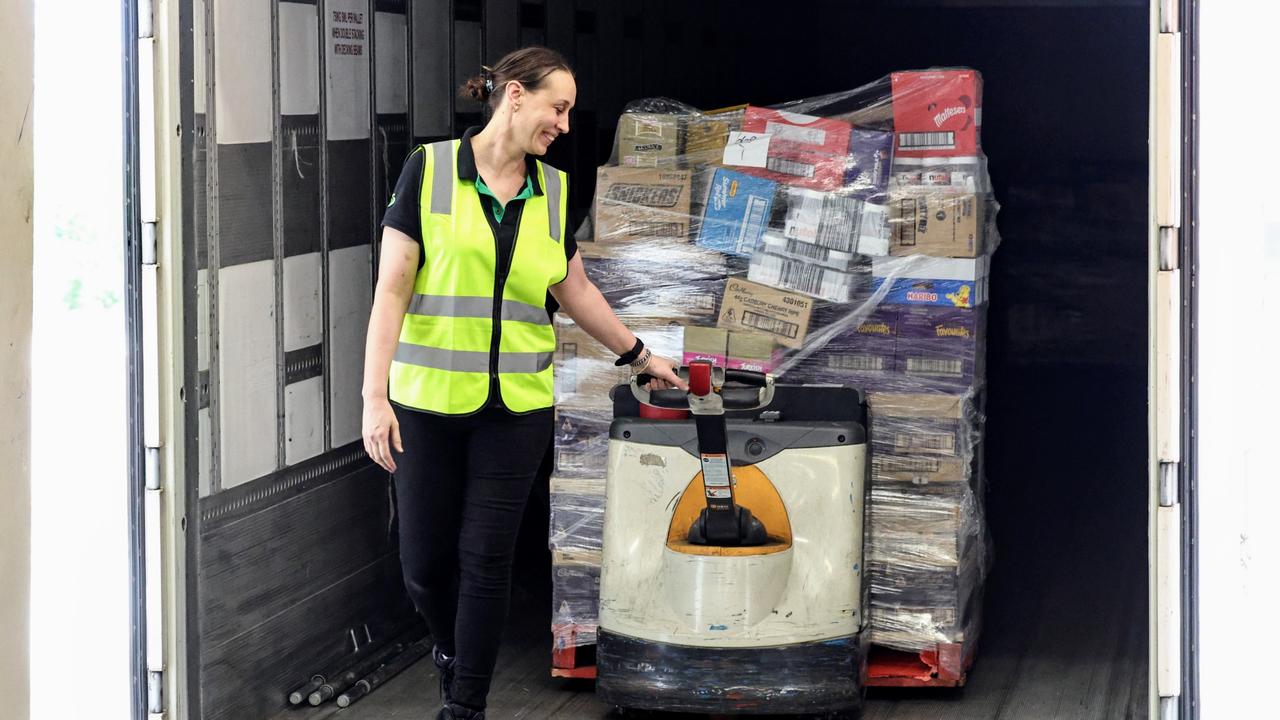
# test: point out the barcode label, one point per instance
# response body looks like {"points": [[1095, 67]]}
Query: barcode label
{"points": [[904, 225], [801, 276], [752, 224], [827, 219], [790, 167], [863, 363], [662, 196], [791, 133], [653, 229], [926, 140], [937, 442], [904, 465], [771, 325], [809, 250], [933, 366]]}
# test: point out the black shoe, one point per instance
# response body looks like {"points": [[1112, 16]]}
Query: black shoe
{"points": [[444, 663], [457, 712]]}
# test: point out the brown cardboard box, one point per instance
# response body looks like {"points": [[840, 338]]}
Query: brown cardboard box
{"points": [[649, 140], [705, 343], [749, 351], [942, 224], [754, 308], [585, 370], [641, 205]]}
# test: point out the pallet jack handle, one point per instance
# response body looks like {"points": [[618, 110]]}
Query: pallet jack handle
{"points": [[712, 390]]}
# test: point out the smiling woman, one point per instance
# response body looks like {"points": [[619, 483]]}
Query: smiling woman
{"points": [[458, 385]]}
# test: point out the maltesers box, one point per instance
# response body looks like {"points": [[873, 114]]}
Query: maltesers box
{"points": [[737, 212], [941, 348], [942, 224], [705, 343], [748, 351], [923, 280], [752, 307], [641, 205], [937, 112], [649, 140]]}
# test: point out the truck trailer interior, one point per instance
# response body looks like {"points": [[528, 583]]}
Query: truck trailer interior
{"points": [[289, 142]]}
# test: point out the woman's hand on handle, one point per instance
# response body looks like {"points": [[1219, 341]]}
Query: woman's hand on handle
{"points": [[381, 432], [664, 372]]}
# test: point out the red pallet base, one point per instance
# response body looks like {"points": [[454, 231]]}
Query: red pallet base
{"points": [[567, 654], [947, 665]]}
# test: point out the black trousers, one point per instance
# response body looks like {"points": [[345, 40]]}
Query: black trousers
{"points": [[461, 488]]}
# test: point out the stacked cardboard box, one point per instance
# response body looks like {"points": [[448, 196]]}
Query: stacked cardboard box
{"points": [[831, 245]]}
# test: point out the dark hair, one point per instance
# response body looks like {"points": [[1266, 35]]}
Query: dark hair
{"points": [[528, 66]]}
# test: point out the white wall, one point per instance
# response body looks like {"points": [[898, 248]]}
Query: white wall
{"points": [[1239, 390], [16, 67]]}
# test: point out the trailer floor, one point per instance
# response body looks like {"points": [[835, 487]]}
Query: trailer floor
{"points": [[1065, 628]]}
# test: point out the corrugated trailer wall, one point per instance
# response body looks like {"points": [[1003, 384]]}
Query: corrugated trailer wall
{"points": [[298, 115]]}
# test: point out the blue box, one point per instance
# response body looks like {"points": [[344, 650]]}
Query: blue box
{"points": [[930, 281], [737, 214]]}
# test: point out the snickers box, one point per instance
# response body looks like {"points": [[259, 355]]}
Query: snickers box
{"points": [[937, 112], [641, 205], [941, 348], [923, 280]]}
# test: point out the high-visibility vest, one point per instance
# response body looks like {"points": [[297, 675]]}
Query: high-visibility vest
{"points": [[464, 325]]}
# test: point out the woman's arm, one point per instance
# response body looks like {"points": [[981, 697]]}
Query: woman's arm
{"points": [[582, 301], [396, 272]]}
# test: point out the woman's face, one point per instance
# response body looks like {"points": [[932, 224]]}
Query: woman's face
{"points": [[544, 114]]}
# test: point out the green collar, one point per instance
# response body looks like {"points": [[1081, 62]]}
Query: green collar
{"points": [[498, 208]]}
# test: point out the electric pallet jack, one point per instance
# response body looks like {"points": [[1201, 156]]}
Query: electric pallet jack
{"points": [[732, 578]]}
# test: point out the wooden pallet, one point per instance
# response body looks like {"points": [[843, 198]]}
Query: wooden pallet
{"points": [[570, 658], [945, 665]]}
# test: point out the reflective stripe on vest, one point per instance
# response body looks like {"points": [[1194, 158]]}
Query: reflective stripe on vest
{"points": [[445, 357]]}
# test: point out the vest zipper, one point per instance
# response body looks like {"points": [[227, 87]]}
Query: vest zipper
{"points": [[499, 284]]}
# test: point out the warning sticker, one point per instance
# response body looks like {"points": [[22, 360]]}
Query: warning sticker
{"points": [[715, 475]]}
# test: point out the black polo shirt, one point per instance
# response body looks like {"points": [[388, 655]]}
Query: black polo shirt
{"points": [[403, 214]]}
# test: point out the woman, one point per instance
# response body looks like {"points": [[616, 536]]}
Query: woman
{"points": [[458, 378]]}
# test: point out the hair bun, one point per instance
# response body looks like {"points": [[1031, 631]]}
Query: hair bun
{"points": [[476, 88]]}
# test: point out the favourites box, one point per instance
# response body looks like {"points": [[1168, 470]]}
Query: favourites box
{"points": [[937, 112], [941, 347]]}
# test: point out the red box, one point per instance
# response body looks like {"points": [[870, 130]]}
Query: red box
{"points": [[796, 132], [937, 113], [804, 150]]}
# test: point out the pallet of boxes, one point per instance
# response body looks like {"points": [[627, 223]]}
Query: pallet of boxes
{"points": [[845, 239]]}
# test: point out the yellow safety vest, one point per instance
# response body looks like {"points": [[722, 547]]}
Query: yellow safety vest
{"points": [[463, 326]]}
